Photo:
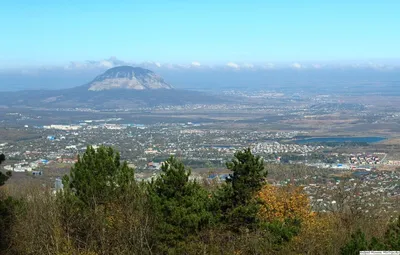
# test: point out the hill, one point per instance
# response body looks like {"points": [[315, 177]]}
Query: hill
{"points": [[128, 77]]}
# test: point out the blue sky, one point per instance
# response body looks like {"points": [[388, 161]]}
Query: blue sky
{"points": [[181, 31]]}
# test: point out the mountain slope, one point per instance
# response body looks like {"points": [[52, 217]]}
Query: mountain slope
{"points": [[128, 77]]}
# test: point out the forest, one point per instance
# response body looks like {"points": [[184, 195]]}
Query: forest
{"points": [[102, 209]]}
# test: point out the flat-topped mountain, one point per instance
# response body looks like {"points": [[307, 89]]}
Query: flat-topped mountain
{"points": [[128, 77], [118, 87]]}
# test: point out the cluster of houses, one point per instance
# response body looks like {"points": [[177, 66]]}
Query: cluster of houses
{"points": [[378, 190], [275, 147], [63, 127], [362, 159], [25, 166], [393, 162]]}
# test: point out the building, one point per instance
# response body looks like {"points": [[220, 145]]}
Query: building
{"points": [[51, 138]]}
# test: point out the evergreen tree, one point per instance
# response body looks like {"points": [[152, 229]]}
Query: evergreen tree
{"points": [[7, 215], [357, 243], [2, 158], [392, 236], [248, 176], [377, 245], [4, 177], [236, 199], [99, 176], [390, 241], [8, 207], [180, 205]]}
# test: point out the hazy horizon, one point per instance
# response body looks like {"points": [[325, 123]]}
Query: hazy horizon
{"points": [[200, 45], [208, 78]]}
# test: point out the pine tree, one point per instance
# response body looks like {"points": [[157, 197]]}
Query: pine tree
{"points": [[4, 177], [2, 158], [357, 243], [392, 236], [7, 214], [248, 176], [236, 199], [180, 205], [98, 177]]}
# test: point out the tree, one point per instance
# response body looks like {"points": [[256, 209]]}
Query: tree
{"points": [[282, 211], [281, 203], [236, 199], [2, 158], [180, 205], [357, 243], [4, 177], [99, 206], [248, 176], [319, 234], [99, 176], [7, 208], [392, 236]]}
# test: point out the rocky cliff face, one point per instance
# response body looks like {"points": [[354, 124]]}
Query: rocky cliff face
{"points": [[128, 77]]}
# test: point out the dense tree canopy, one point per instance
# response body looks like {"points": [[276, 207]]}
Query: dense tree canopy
{"points": [[392, 236], [280, 203], [6, 176], [236, 201], [248, 176], [98, 176], [181, 204], [7, 206], [103, 210]]}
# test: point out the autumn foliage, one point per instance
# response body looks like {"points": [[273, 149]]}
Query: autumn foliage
{"points": [[282, 203], [104, 210]]}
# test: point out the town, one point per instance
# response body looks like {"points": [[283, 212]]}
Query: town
{"points": [[205, 147]]}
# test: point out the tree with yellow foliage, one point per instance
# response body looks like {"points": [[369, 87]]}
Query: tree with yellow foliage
{"points": [[319, 234], [282, 211], [283, 203]]}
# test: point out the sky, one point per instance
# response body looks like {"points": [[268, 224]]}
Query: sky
{"points": [[48, 32]]}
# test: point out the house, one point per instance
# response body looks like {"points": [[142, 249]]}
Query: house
{"points": [[153, 165]]}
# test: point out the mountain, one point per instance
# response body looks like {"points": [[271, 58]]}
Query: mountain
{"points": [[128, 77], [232, 75], [123, 87]]}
